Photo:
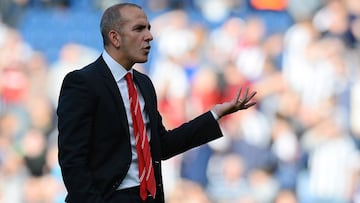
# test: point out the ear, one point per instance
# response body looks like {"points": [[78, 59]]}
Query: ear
{"points": [[115, 38]]}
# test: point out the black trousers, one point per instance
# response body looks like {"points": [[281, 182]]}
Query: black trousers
{"points": [[130, 195]]}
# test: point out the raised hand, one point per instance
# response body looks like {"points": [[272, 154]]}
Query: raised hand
{"points": [[238, 103]]}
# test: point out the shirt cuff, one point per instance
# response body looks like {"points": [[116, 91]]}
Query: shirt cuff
{"points": [[216, 117]]}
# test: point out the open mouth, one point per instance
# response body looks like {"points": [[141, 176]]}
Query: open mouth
{"points": [[147, 49]]}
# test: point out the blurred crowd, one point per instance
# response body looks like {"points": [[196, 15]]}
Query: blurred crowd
{"points": [[300, 144]]}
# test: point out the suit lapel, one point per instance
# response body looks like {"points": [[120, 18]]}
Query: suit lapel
{"points": [[111, 85], [144, 89]]}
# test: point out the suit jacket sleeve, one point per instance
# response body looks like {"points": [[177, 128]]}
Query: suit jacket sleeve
{"points": [[194, 133], [74, 124]]}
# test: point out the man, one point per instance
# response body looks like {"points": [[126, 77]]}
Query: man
{"points": [[111, 136]]}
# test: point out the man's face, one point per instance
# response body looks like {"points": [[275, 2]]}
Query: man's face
{"points": [[135, 36]]}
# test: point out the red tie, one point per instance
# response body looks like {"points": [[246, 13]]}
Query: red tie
{"points": [[146, 171]]}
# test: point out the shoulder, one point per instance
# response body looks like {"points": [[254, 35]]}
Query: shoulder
{"points": [[87, 72]]}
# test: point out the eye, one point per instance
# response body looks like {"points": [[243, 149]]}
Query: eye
{"points": [[139, 28]]}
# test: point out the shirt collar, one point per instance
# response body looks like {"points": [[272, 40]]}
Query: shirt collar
{"points": [[117, 70]]}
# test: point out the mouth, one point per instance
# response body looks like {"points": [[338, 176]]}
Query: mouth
{"points": [[147, 49]]}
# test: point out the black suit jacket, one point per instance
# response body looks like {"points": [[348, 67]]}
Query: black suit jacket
{"points": [[94, 140]]}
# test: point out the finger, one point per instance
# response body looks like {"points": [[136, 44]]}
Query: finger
{"points": [[245, 96], [248, 98], [238, 95], [249, 105], [251, 96]]}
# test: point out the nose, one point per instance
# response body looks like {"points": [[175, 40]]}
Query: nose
{"points": [[148, 36]]}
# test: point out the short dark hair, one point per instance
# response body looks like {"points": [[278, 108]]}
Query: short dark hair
{"points": [[111, 19]]}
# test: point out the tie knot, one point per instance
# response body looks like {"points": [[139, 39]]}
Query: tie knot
{"points": [[128, 78]]}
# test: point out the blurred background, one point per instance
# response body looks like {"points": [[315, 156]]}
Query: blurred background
{"points": [[300, 144]]}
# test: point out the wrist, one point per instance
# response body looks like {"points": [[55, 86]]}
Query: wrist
{"points": [[215, 115], [217, 109]]}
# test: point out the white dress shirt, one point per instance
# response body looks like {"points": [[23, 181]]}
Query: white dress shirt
{"points": [[132, 177]]}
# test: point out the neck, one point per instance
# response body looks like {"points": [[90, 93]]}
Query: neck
{"points": [[118, 57]]}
